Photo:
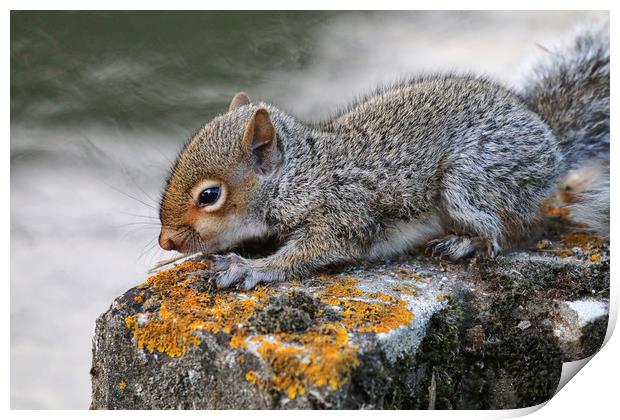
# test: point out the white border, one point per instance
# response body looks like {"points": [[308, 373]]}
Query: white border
{"points": [[593, 394]]}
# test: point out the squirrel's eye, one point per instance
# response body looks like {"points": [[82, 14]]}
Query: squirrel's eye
{"points": [[208, 196]]}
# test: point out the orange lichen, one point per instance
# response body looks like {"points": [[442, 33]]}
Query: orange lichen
{"points": [[164, 335], [595, 257], [319, 358], [321, 355], [238, 341], [583, 240], [122, 384], [406, 274], [339, 287], [185, 311], [369, 317], [587, 242], [382, 296], [405, 288], [251, 377], [362, 315], [543, 244]]}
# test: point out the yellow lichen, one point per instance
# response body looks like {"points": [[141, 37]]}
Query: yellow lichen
{"points": [[238, 342], [407, 289], [587, 242], [319, 358], [185, 311], [251, 377], [338, 287], [322, 355], [368, 317], [583, 240], [382, 296], [595, 257], [406, 274], [122, 384], [360, 314]]}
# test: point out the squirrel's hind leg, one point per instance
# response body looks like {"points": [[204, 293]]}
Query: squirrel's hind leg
{"points": [[469, 209]]}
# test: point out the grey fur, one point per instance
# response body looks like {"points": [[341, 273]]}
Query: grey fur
{"points": [[428, 157], [570, 90]]}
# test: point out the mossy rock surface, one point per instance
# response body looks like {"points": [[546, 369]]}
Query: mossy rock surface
{"points": [[415, 334]]}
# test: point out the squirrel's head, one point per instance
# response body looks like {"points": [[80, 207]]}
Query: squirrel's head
{"points": [[215, 179]]}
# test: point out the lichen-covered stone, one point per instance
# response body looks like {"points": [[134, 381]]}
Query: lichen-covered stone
{"points": [[415, 333]]}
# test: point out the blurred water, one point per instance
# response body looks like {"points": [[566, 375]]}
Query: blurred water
{"points": [[101, 102]]}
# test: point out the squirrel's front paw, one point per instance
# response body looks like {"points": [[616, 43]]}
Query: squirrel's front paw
{"points": [[233, 269], [224, 262]]}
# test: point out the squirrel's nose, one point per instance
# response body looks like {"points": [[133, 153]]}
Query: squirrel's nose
{"points": [[166, 239]]}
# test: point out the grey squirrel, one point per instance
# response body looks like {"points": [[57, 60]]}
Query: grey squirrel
{"points": [[456, 162]]}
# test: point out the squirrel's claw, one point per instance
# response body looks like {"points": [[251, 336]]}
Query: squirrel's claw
{"points": [[249, 283], [245, 277], [234, 269], [492, 251], [455, 248], [223, 262], [234, 274], [230, 268], [451, 247]]}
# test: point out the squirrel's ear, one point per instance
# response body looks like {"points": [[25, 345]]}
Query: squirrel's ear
{"points": [[238, 100], [260, 141]]}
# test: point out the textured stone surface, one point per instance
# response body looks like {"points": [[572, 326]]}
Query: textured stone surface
{"points": [[415, 333]]}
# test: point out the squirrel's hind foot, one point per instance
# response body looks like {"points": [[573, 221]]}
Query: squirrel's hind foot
{"points": [[456, 248], [451, 247]]}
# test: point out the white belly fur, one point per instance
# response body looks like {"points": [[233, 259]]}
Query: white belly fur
{"points": [[403, 236]]}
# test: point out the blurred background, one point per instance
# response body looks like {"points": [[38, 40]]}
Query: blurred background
{"points": [[101, 102]]}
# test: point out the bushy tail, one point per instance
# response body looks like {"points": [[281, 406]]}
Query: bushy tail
{"points": [[570, 91]]}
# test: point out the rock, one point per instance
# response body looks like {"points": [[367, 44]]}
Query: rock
{"points": [[415, 333], [524, 325], [575, 324]]}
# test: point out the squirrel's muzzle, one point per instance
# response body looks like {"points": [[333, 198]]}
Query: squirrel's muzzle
{"points": [[168, 239]]}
